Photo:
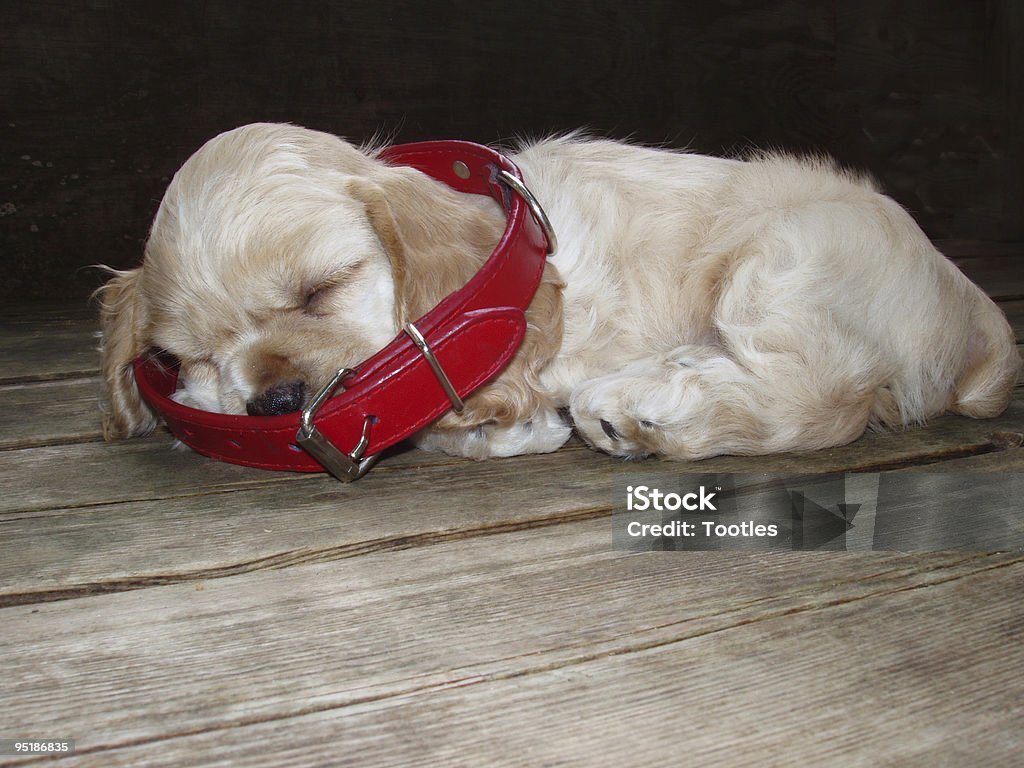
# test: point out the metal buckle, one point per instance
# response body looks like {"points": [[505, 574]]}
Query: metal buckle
{"points": [[344, 466], [538, 213], [446, 383]]}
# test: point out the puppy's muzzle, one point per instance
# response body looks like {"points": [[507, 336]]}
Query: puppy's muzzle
{"points": [[278, 399]]}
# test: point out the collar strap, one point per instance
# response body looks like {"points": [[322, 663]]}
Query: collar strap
{"points": [[455, 348]]}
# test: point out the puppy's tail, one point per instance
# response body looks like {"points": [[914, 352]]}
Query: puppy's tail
{"points": [[992, 366]]}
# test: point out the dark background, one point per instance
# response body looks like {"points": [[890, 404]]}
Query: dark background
{"points": [[101, 101]]}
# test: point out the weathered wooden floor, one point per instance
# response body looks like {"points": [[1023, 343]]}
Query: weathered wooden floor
{"points": [[163, 609]]}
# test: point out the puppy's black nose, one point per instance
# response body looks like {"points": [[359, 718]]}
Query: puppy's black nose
{"points": [[278, 399]]}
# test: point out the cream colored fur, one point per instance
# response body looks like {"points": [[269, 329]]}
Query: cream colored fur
{"points": [[696, 305]]}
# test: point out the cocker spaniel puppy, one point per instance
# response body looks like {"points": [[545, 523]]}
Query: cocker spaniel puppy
{"points": [[696, 306]]}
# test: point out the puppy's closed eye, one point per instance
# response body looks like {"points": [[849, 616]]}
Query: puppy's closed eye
{"points": [[316, 298]]}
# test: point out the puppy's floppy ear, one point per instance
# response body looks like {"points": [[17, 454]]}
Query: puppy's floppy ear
{"points": [[435, 238], [382, 219], [122, 319]]}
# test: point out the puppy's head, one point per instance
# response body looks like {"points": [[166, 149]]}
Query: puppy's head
{"points": [[277, 256]]}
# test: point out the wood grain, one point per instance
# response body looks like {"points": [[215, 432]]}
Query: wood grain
{"points": [[49, 413], [41, 345], [823, 687], [389, 629]]}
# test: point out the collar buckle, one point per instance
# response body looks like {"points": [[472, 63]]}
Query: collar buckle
{"points": [[347, 467]]}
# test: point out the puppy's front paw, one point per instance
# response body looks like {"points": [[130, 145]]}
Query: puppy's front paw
{"points": [[544, 433], [689, 404], [600, 419]]}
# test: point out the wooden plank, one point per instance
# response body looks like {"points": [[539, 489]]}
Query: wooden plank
{"points": [[83, 475], [1001, 277], [94, 548], [820, 687], [49, 413], [132, 545], [15, 312], [178, 532], [145, 665], [93, 473], [48, 343], [165, 516]]}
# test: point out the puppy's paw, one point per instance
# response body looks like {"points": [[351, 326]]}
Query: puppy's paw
{"points": [[197, 388], [617, 435], [655, 406], [544, 433], [599, 412], [688, 404]]}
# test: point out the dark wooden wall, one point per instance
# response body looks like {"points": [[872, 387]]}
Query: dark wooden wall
{"points": [[100, 101]]}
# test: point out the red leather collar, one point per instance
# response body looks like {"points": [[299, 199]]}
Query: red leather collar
{"points": [[472, 333]]}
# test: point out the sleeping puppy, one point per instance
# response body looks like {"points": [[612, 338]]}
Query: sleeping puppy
{"points": [[696, 306]]}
